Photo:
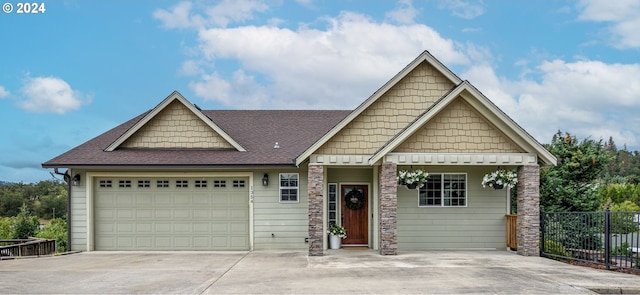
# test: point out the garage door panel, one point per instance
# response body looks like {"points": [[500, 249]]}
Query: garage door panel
{"points": [[144, 228], [144, 199], [163, 214], [125, 228], [124, 242], [144, 242], [201, 214], [144, 214], [182, 213], [125, 200], [124, 213], [202, 217], [201, 242]]}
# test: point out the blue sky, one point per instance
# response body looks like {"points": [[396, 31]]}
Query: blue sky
{"points": [[83, 67]]}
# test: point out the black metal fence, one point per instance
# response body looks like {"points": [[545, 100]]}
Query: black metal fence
{"points": [[606, 238]]}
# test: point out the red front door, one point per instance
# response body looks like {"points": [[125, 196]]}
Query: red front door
{"points": [[355, 205]]}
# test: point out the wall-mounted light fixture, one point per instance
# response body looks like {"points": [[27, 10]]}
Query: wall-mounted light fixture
{"points": [[265, 179], [75, 181]]}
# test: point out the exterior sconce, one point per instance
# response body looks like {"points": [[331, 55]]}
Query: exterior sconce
{"points": [[75, 181], [265, 179]]}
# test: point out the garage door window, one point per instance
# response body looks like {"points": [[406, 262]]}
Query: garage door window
{"points": [[289, 187], [124, 183], [105, 183], [201, 183], [144, 183], [238, 183], [162, 183]]}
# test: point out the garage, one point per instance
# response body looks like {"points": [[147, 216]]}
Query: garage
{"points": [[171, 213]]}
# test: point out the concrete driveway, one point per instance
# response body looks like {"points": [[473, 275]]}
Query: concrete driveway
{"points": [[339, 272]]}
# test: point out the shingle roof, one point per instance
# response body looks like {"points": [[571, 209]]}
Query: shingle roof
{"points": [[256, 130]]}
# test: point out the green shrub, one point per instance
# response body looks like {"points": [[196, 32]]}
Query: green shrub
{"points": [[6, 228], [555, 248], [57, 230], [622, 217], [25, 224], [622, 250]]}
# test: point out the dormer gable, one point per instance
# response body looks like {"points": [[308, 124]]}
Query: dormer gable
{"points": [[175, 123]]}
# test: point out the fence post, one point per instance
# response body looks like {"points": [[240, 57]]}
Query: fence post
{"points": [[607, 238], [542, 231]]}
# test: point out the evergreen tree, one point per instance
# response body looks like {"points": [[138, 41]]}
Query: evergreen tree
{"points": [[572, 185]]}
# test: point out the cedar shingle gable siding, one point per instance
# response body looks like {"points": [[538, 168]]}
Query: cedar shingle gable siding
{"points": [[459, 129], [256, 130], [391, 113], [176, 127]]}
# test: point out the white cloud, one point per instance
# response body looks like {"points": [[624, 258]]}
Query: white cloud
{"points": [[50, 95], [344, 61], [623, 16], [184, 15], [212, 87], [404, 14], [586, 98], [463, 9], [3, 92], [339, 65]]}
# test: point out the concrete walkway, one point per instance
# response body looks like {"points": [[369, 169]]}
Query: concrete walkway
{"points": [[339, 272]]}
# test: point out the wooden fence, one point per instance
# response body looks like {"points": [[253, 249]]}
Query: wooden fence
{"points": [[512, 226], [28, 247]]}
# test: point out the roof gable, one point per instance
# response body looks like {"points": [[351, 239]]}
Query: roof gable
{"points": [[388, 112], [458, 128], [496, 121], [175, 123]]}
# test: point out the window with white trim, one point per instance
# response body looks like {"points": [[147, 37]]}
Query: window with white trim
{"points": [[289, 187], [444, 190]]}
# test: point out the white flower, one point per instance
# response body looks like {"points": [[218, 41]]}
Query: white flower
{"points": [[417, 177], [500, 177]]}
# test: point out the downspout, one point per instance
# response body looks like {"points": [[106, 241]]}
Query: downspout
{"points": [[67, 180]]}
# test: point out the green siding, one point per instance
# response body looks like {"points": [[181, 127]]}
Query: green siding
{"points": [[282, 226], [480, 225], [79, 215]]}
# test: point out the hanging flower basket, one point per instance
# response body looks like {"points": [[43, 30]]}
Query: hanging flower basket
{"points": [[499, 179], [412, 179]]}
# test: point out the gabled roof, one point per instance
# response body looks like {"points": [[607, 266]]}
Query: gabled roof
{"points": [[423, 57], [175, 96], [256, 130], [481, 103]]}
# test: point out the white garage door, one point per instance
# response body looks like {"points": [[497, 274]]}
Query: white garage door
{"points": [[171, 213]]}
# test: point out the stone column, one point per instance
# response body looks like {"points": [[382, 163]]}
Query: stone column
{"points": [[388, 209], [529, 210], [316, 225]]}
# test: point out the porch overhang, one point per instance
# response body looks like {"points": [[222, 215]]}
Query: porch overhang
{"points": [[467, 159]]}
